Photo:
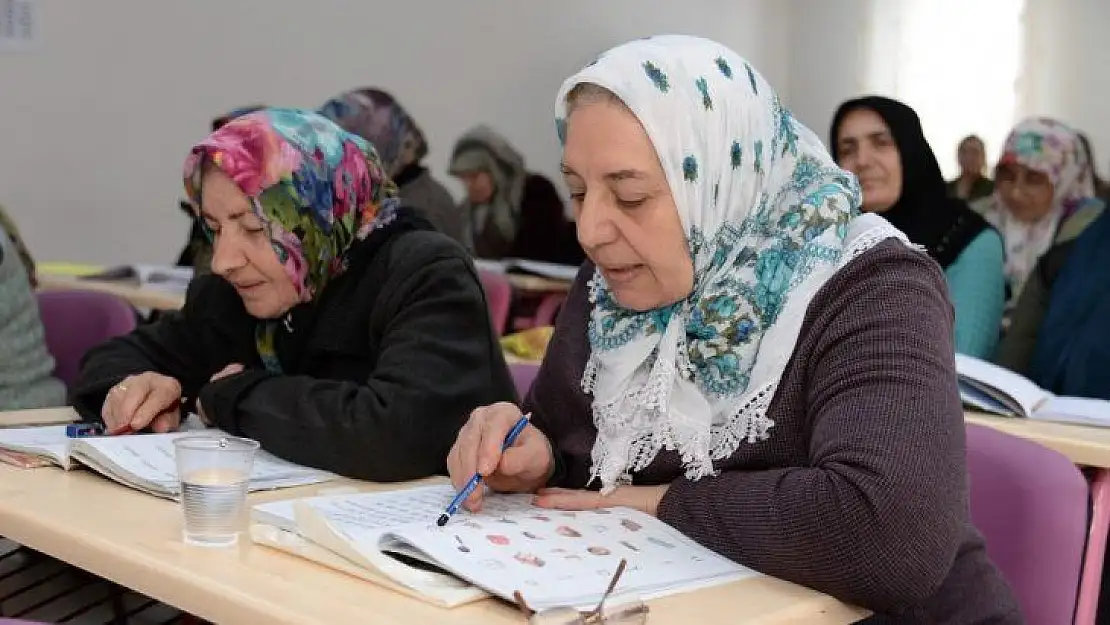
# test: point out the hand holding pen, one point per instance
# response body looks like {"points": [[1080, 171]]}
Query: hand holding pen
{"points": [[523, 465]]}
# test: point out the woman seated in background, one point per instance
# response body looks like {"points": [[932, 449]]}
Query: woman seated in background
{"points": [[26, 367], [881, 141], [337, 327], [512, 213], [746, 356], [1041, 177], [1059, 336], [197, 252], [971, 184], [377, 117]]}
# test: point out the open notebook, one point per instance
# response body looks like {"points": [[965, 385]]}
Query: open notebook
{"points": [[141, 461], [158, 277], [553, 558], [997, 390], [540, 268]]}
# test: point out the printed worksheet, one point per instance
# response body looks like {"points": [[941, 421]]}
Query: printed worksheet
{"points": [[562, 558], [553, 558]]}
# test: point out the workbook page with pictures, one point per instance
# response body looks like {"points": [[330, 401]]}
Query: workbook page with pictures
{"points": [[553, 558]]}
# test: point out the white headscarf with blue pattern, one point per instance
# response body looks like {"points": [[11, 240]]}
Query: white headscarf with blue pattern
{"points": [[769, 219]]}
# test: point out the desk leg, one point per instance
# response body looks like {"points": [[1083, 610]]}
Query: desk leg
{"points": [[1090, 584]]}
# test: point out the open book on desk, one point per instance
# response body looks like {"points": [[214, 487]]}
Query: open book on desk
{"points": [[142, 461], [553, 558], [157, 277], [553, 271], [990, 388]]}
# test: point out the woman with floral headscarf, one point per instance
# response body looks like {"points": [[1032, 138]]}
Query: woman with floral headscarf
{"points": [[1043, 195], [746, 355], [197, 252], [337, 328], [377, 117]]}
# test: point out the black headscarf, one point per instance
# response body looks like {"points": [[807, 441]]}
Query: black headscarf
{"points": [[944, 226]]}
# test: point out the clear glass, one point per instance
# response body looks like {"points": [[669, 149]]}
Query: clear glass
{"points": [[558, 616], [214, 472], [624, 609]]}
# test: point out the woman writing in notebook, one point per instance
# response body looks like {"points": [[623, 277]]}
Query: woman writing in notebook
{"points": [[338, 329], [746, 356]]}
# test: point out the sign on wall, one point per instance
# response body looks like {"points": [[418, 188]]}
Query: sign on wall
{"points": [[19, 25]]}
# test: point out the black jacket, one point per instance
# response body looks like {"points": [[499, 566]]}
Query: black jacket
{"points": [[380, 372]]}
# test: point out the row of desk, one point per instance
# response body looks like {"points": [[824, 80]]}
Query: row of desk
{"points": [[134, 540], [163, 300]]}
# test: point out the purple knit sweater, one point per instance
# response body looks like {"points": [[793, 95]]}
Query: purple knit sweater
{"points": [[861, 490]]}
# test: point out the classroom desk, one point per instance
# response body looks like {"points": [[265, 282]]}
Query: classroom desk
{"points": [[137, 296], [161, 300], [134, 540], [1085, 446], [531, 284]]}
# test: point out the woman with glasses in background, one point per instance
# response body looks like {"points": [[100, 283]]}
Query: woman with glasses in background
{"points": [[1043, 195]]}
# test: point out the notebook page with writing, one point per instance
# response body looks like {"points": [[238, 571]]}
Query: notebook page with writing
{"points": [[48, 441], [557, 558], [990, 377], [146, 462], [1079, 410]]}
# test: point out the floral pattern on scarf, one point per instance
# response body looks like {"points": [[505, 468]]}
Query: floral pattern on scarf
{"points": [[1053, 149], [769, 218], [316, 188]]}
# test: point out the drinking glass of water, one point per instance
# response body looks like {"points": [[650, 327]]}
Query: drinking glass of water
{"points": [[214, 473]]}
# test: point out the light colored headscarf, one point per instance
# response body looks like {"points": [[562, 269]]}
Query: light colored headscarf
{"points": [[769, 219], [1053, 149], [483, 149]]}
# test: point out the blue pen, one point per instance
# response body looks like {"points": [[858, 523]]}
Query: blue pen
{"points": [[83, 430], [453, 507]]}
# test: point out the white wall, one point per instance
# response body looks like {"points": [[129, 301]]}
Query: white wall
{"points": [[1066, 57], [1069, 59], [827, 58], [94, 126]]}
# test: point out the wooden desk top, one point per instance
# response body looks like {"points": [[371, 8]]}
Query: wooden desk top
{"points": [[161, 300], [537, 284], [135, 540], [139, 297], [1082, 444]]}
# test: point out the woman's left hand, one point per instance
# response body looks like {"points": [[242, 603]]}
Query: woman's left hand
{"points": [[643, 498], [231, 369]]}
